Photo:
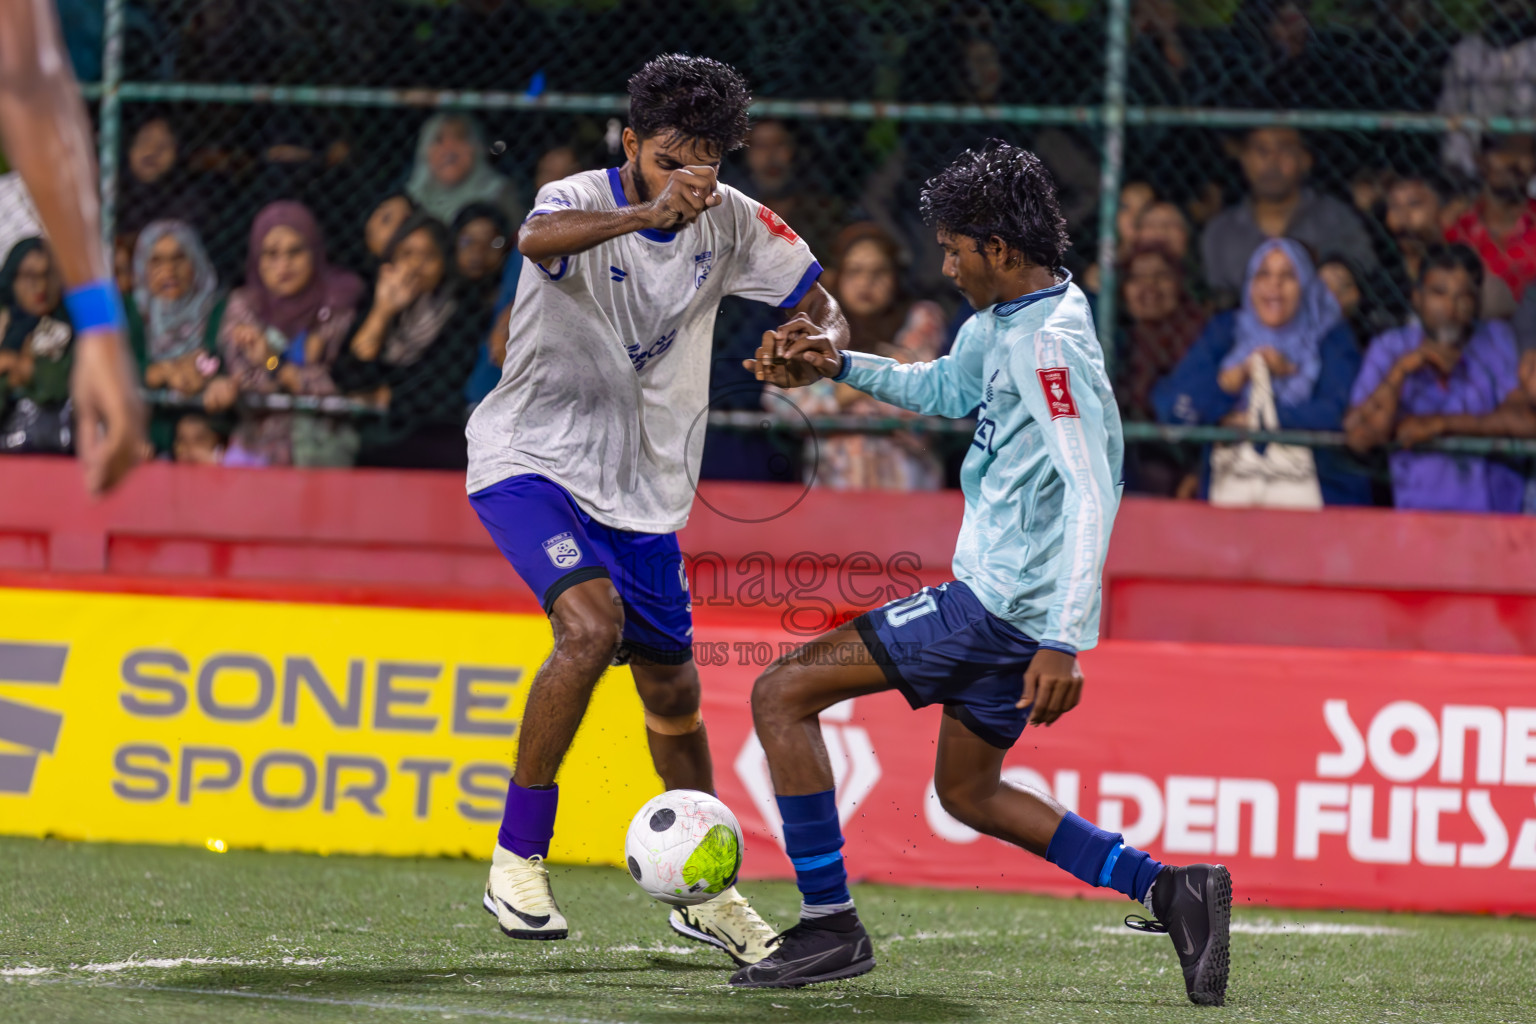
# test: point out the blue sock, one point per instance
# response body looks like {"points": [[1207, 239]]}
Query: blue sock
{"points": [[1101, 859], [528, 822], [814, 841]]}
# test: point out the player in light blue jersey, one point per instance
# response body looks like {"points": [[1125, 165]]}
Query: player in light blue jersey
{"points": [[997, 646]]}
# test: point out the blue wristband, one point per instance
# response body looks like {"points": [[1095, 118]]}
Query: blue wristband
{"points": [[94, 306]]}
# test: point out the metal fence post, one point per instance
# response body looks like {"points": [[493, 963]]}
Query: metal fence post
{"points": [[110, 123], [1109, 178]]}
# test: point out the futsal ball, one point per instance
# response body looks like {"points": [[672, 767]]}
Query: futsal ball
{"points": [[684, 847]]}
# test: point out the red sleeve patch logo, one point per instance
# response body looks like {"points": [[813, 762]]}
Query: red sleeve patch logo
{"points": [[776, 226], [1057, 385]]}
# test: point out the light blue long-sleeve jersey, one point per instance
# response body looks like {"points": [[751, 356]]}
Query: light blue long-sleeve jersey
{"points": [[1042, 479]]}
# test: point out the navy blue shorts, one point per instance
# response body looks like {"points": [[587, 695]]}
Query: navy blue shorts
{"points": [[554, 545], [940, 646]]}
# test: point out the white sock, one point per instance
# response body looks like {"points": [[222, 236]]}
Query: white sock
{"points": [[809, 912], [1147, 900]]}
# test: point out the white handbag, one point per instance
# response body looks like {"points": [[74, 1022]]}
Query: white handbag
{"points": [[1281, 476]]}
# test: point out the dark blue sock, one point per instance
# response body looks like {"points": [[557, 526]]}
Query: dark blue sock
{"points": [[814, 841], [528, 822], [1100, 858]]}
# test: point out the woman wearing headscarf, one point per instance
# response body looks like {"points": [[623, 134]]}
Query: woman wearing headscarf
{"points": [[1162, 321], [866, 279], [36, 352], [283, 330], [451, 170], [1293, 323], [173, 316], [412, 350]]}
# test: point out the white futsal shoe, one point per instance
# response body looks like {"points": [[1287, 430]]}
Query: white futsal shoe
{"points": [[726, 922], [518, 896]]}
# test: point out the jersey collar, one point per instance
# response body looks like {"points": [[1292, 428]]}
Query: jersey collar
{"points": [[617, 184], [1012, 306]]}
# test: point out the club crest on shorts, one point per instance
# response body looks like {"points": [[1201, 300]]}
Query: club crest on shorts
{"points": [[562, 550], [1057, 386]]}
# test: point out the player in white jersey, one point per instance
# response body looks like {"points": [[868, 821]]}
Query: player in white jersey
{"points": [[48, 138], [581, 461], [996, 646]]}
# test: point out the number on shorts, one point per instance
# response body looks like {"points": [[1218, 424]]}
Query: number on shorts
{"points": [[914, 607]]}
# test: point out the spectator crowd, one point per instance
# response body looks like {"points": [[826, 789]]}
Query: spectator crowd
{"points": [[1382, 292]]}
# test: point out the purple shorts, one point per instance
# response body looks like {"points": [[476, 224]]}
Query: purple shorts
{"points": [[554, 545]]}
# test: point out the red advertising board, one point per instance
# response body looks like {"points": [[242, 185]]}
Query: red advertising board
{"points": [[1323, 778]]}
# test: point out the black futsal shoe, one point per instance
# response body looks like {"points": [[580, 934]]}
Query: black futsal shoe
{"points": [[1194, 906], [813, 951]]}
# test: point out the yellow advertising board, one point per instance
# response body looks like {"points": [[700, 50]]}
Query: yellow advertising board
{"points": [[327, 728]]}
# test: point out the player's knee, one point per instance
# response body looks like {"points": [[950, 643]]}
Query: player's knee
{"points": [[671, 691], [962, 800], [767, 694], [586, 633], [777, 696]]}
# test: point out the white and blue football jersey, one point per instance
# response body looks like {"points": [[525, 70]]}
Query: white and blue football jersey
{"points": [[1042, 479], [605, 388]]}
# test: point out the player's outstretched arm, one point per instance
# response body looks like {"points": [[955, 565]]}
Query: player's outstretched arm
{"points": [[948, 386], [808, 347], [48, 139], [689, 192]]}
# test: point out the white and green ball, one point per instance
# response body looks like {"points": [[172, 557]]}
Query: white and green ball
{"points": [[684, 847]]}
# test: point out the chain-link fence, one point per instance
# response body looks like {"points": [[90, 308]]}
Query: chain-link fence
{"points": [[1179, 130]]}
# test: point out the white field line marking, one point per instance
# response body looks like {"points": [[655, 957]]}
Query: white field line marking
{"points": [[161, 963], [190, 961], [1314, 928], [1284, 928], [367, 1004]]}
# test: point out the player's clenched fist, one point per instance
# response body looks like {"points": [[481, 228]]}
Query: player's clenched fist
{"points": [[689, 192]]}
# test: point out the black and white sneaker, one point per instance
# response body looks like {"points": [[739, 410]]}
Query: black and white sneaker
{"points": [[726, 922], [822, 949], [518, 896], [1194, 906]]}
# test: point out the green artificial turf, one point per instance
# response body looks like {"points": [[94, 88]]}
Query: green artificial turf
{"points": [[305, 938]]}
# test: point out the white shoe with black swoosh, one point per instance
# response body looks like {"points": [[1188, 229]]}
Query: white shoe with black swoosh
{"points": [[726, 922], [518, 896]]}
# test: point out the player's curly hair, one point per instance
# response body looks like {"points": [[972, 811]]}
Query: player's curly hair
{"points": [[1003, 190], [694, 97]]}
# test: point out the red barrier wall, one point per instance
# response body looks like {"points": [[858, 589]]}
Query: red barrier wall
{"points": [[1360, 578], [1321, 778]]}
